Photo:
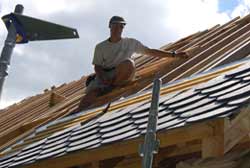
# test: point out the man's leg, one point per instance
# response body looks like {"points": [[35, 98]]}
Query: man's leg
{"points": [[88, 99], [124, 72], [91, 93]]}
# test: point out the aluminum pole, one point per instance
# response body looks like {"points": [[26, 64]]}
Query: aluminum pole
{"points": [[151, 144], [9, 45]]}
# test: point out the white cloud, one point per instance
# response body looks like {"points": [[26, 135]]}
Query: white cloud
{"points": [[50, 7], [186, 17], [242, 9], [5, 103]]}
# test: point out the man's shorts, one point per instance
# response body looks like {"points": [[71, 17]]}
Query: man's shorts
{"points": [[97, 82]]}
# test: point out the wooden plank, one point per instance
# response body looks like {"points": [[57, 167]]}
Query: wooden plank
{"points": [[209, 52], [130, 161], [212, 33], [224, 46], [55, 98], [241, 51], [95, 164], [214, 146], [238, 128], [244, 20], [233, 53], [182, 68]]}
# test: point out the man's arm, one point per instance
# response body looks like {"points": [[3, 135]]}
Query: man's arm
{"points": [[163, 54]]}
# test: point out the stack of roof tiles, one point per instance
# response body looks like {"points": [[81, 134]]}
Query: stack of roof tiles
{"points": [[40, 127]]}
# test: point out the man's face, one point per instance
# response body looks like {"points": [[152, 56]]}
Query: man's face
{"points": [[116, 29]]}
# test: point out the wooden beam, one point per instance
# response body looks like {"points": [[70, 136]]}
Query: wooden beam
{"points": [[177, 150], [55, 98], [130, 161], [29, 125], [95, 164], [213, 146], [238, 128]]}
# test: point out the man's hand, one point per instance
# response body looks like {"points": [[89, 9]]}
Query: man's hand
{"points": [[164, 54], [187, 52]]}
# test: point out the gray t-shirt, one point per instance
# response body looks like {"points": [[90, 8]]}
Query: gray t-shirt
{"points": [[109, 55]]}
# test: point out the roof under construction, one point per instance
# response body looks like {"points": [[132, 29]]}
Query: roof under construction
{"points": [[203, 105]]}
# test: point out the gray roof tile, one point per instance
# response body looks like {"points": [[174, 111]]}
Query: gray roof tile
{"points": [[117, 120], [83, 135], [53, 153], [84, 140], [222, 86], [239, 100], [55, 143], [171, 124], [203, 109], [239, 71], [141, 108], [131, 132], [53, 148], [85, 129], [119, 131], [213, 113], [116, 126], [228, 90], [212, 83], [194, 105], [181, 97], [240, 92], [96, 143]]}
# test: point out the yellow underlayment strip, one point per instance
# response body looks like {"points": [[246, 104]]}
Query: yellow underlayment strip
{"points": [[176, 87]]}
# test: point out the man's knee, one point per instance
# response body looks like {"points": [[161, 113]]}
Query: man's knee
{"points": [[127, 66], [125, 71], [129, 63]]}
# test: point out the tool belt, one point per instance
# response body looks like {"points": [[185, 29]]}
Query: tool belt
{"points": [[89, 79], [108, 69]]}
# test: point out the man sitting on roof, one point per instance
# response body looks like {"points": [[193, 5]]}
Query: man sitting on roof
{"points": [[113, 63]]}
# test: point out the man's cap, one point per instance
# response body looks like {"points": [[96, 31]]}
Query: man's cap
{"points": [[117, 19]]}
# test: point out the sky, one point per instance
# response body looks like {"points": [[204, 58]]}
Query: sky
{"points": [[39, 65]]}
